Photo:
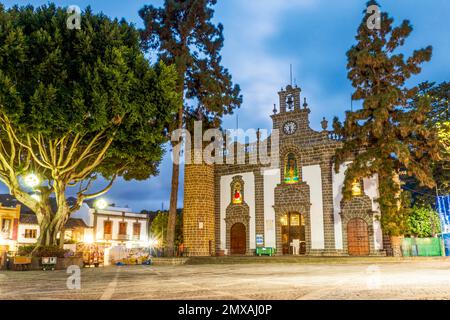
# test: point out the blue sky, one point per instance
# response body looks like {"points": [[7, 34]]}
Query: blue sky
{"points": [[263, 37]]}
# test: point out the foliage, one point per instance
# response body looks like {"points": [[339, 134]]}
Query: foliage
{"points": [[438, 119], [43, 251], [182, 33], [423, 222], [76, 105], [159, 228], [389, 133]]}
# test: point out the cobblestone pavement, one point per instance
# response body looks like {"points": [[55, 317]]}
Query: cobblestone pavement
{"points": [[404, 280]]}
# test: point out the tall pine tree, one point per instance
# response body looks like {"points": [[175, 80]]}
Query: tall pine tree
{"points": [[389, 133], [182, 33]]}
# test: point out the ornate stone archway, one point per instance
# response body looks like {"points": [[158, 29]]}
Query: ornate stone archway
{"points": [[359, 207], [292, 198], [237, 213]]}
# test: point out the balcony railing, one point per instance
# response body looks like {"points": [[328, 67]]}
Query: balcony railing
{"points": [[107, 236], [123, 237]]}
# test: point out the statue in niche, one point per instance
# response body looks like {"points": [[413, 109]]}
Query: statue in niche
{"points": [[290, 170], [237, 193]]}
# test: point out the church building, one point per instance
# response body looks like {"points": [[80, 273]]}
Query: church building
{"points": [[294, 208]]}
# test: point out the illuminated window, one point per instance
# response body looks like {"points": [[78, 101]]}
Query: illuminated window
{"points": [[237, 193], [291, 170], [107, 229], [357, 188], [6, 225], [136, 229], [30, 234], [122, 228]]}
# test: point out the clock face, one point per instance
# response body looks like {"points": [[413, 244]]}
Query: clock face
{"points": [[290, 127]]}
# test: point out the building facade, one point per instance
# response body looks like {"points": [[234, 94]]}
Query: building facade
{"points": [[110, 227], [9, 227], [294, 207], [114, 226]]}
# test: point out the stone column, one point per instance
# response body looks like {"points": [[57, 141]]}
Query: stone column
{"points": [[328, 210]]}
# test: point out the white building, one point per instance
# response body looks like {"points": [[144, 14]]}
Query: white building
{"points": [[114, 226]]}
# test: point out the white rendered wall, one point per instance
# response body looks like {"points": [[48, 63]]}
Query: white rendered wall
{"points": [[338, 183], [312, 175], [115, 220], [271, 180], [371, 190], [225, 200], [21, 233]]}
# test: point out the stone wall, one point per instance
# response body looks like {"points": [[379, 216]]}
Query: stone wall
{"points": [[199, 210]]}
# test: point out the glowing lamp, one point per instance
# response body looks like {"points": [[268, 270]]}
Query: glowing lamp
{"points": [[88, 239], [153, 242], [100, 204], [32, 180]]}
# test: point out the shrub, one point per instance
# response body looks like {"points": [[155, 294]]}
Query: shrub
{"points": [[423, 222], [43, 251]]}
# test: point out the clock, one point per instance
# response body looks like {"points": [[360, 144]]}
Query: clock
{"points": [[289, 127]]}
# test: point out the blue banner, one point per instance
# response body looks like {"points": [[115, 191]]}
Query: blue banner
{"points": [[443, 208]]}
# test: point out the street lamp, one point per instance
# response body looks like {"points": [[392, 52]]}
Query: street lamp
{"points": [[32, 180], [100, 204], [153, 242]]}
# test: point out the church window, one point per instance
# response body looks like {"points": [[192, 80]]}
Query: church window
{"points": [[237, 193], [291, 170]]}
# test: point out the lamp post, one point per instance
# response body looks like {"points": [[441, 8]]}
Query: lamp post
{"points": [[152, 242], [99, 204]]}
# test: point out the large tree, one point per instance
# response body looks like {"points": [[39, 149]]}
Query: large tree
{"points": [[182, 33], [76, 105], [389, 133], [438, 118]]}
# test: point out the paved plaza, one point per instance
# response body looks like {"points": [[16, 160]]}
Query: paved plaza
{"points": [[419, 279]]}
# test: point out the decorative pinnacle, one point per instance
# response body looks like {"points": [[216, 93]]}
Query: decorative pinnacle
{"points": [[274, 108], [305, 104], [324, 124]]}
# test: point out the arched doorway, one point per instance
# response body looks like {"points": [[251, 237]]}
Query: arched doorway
{"points": [[293, 236], [238, 239], [358, 237]]}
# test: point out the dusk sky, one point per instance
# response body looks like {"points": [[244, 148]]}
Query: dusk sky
{"points": [[262, 38]]}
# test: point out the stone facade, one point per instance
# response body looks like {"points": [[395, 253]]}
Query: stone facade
{"points": [[308, 153], [198, 213]]}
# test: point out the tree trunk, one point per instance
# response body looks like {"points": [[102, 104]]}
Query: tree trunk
{"points": [[50, 226], [172, 221], [50, 223]]}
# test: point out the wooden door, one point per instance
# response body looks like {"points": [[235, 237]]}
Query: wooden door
{"points": [[238, 239], [358, 237]]}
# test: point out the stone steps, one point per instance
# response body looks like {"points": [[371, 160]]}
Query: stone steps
{"points": [[308, 260]]}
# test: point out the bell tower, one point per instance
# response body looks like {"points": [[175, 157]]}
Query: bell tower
{"points": [[289, 99], [292, 117]]}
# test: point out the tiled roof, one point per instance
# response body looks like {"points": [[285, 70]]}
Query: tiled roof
{"points": [[70, 224], [28, 219], [73, 223]]}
